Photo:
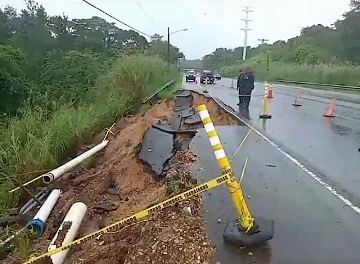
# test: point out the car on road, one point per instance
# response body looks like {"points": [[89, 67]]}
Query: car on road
{"points": [[207, 77], [217, 76], [190, 75]]}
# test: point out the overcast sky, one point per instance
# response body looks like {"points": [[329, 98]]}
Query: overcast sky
{"points": [[211, 23]]}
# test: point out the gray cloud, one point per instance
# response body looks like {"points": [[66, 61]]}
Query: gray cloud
{"points": [[211, 23]]}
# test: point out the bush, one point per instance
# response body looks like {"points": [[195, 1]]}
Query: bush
{"points": [[13, 85], [321, 73], [36, 142]]}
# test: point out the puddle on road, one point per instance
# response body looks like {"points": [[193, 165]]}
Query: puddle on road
{"points": [[338, 129]]}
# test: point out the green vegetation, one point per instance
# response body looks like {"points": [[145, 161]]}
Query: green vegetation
{"points": [[158, 46], [320, 73], [191, 64], [61, 82], [24, 244], [320, 54], [168, 93]]}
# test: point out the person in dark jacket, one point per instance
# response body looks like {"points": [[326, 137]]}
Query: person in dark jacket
{"points": [[240, 87], [249, 84]]}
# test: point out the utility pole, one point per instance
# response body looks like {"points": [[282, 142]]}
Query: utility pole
{"points": [[263, 41], [168, 42], [246, 29], [168, 47]]}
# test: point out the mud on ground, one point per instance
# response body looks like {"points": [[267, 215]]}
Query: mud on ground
{"points": [[218, 116], [117, 185]]}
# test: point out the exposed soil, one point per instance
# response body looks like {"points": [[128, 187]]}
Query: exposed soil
{"points": [[118, 185], [218, 116]]}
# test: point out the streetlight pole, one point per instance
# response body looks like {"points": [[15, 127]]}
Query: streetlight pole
{"points": [[263, 41], [168, 47], [168, 41]]}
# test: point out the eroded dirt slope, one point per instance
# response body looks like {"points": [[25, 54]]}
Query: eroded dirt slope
{"points": [[118, 184]]}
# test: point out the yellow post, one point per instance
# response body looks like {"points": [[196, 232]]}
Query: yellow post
{"points": [[246, 219], [265, 110], [205, 90], [266, 89]]}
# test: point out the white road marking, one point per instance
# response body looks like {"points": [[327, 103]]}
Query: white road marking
{"points": [[298, 163]]}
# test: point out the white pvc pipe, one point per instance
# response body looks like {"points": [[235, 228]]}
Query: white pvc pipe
{"points": [[56, 173], [72, 223], [38, 222]]}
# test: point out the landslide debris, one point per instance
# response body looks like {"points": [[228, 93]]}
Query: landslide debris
{"points": [[116, 184]]}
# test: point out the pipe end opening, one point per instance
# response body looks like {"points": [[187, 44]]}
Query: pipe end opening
{"points": [[48, 178], [36, 226]]}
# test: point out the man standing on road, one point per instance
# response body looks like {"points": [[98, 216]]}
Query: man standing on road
{"points": [[248, 85], [240, 85]]}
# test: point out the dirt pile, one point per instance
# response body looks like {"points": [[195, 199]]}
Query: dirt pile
{"points": [[117, 185], [218, 116], [169, 236]]}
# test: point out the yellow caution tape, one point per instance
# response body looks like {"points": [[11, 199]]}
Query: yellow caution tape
{"points": [[138, 216]]}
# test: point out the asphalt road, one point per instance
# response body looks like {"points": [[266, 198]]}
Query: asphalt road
{"points": [[313, 191], [327, 146]]}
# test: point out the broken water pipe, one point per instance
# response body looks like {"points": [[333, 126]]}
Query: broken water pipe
{"points": [[67, 231], [38, 222], [58, 172], [49, 176]]}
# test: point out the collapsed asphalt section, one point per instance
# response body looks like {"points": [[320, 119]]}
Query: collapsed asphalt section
{"points": [[117, 184], [161, 141]]}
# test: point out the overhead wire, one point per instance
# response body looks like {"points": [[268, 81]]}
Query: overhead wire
{"points": [[146, 14], [118, 20]]}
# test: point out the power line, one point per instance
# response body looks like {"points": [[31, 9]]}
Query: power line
{"points": [[146, 14], [118, 20], [246, 29]]}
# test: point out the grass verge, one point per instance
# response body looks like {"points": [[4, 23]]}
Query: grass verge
{"points": [[36, 142], [167, 93], [171, 90], [322, 74]]}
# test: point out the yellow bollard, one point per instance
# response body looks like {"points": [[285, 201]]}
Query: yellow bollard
{"points": [[266, 89], [244, 231], [265, 110], [205, 90], [245, 218]]}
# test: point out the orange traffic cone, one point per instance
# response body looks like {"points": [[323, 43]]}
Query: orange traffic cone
{"points": [[270, 93], [296, 102], [330, 111]]}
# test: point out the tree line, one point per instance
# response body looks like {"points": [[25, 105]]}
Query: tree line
{"points": [[315, 45], [46, 61]]}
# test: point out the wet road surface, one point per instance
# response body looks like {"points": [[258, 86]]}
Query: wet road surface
{"points": [[327, 146], [311, 224]]}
